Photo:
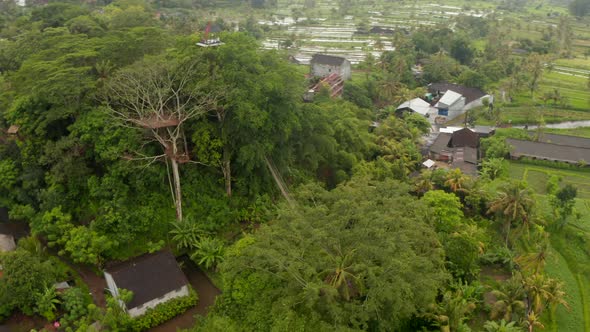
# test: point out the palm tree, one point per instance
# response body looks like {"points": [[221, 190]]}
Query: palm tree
{"points": [[503, 326], [340, 276], [514, 203], [544, 292], [388, 90], [456, 180], [535, 261], [533, 320], [423, 183], [185, 234], [510, 300], [210, 252], [47, 302], [555, 294], [536, 287], [452, 311]]}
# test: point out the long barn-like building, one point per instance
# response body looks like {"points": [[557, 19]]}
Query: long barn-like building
{"points": [[562, 148]]}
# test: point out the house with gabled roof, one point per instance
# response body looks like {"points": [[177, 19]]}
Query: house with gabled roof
{"points": [[459, 147], [153, 278], [416, 105], [453, 99], [323, 65]]}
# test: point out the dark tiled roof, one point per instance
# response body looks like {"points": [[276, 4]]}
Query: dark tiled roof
{"points": [[464, 137], [325, 59], [383, 30], [470, 94], [148, 276], [465, 167], [485, 130], [579, 142], [441, 143], [549, 151]]}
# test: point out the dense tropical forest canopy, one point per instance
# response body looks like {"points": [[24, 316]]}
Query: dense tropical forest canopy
{"points": [[300, 203]]}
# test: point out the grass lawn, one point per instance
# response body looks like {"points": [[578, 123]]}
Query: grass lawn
{"points": [[579, 63], [570, 258], [563, 319], [537, 177], [581, 132]]}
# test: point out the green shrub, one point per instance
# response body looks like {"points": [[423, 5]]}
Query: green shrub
{"points": [[553, 164], [165, 311]]}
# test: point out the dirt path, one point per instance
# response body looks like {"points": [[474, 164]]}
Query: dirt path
{"points": [[207, 293], [97, 285]]}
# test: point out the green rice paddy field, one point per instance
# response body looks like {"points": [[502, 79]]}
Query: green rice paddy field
{"points": [[570, 259]]}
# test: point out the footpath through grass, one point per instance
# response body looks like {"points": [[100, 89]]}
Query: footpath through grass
{"points": [[570, 258]]}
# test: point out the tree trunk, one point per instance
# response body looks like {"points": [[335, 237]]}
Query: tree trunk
{"points": [[177, 191], [226, 168]]}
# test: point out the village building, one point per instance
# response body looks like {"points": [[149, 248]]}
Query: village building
{"points": [[10, 231], [416, 105], [323, 65], [561, 148], [451, 100], [13, 130], [450, 104], [7, 243], [211, 36], [459, 147], [153, 279]]}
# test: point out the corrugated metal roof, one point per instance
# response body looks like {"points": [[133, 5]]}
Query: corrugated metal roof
{"points": [[441, 143], [449, 98], [327, 59], [470, 94], [417, 105], [548, 151]]}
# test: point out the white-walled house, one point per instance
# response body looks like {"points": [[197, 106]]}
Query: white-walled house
{"points": [[450, 104], [323, 65], [153, 279], [473, 96], [416, 105]]}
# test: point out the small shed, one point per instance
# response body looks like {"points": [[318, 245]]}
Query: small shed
{"points": [[211, 37], [7, 243], [428, 163], [416, 105], [13, 130], [323, 65], [153, 278]]}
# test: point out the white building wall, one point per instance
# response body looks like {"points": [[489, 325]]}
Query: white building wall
{"points": [[478, 102], [113, 288], [457, 108], [140, 310], [323, 70], [345, 70], [111, 284]]}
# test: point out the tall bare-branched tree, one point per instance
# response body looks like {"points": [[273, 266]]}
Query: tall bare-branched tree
{"points": [[159, 97]]}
